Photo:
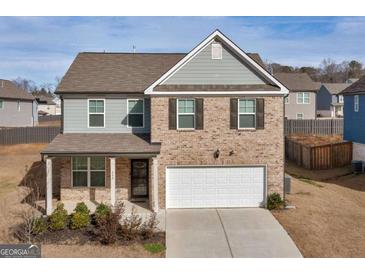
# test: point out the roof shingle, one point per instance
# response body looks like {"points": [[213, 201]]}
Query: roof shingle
{"points": [[10, 91], [297, 81], [357, 87]]}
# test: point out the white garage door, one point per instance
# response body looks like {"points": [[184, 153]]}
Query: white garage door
{"points": [[204, 187]]}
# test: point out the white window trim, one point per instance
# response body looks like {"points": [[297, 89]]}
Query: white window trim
{"points": [[219, 46], [18, 106], [356, 103], [143, 122], [340, 98], [296, 116], [303, 103], [177, 114], [88, 171], [246, 113], [285, 100], [2, 104], [88, 111]]}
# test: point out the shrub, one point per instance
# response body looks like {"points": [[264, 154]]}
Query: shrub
{"points": [[101, 211], [39, 225], [149, 228], [82, 208], [79, 220], [109, 224], [274, 201], [154, 247], [131, 225], [58, 219]]}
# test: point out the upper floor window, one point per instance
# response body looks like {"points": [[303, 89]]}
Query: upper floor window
{"points": [[216, 51], [88, 171], [247, 113], [303, 98], [185, 113], [340, 99], [135, 113], [286, 99], [300, 116], [18, 105], [1, 104], [356, 103], [96, 112]]}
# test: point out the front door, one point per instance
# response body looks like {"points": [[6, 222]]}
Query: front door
{"points": [[139, 179]]}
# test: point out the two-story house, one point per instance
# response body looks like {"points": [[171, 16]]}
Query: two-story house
{"points": [[330, 101], [18, 108], [301, 101], [354, 117], [197, 130]]}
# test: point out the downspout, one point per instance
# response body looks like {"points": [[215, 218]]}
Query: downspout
{"points": [[61, 131]]}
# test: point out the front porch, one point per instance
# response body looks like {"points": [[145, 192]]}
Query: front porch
{"points": [[107, 172]]}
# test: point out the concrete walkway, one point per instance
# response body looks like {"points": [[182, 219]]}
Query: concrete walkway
{"points": [[226, 233]]}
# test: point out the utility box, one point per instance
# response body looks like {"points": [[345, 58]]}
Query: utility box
{"points": [[287, 184]]}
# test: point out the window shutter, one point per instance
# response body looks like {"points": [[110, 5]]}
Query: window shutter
{"points": [[199, 113], [172, 113], [260, 113], [234, 113]]}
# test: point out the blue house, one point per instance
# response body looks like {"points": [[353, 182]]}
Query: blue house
{"points": [[354, 117]]}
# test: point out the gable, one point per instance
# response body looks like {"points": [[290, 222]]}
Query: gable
{"points": [[202, 69]]}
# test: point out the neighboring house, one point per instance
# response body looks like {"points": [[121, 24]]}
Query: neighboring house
{"points": [[197, 130], [351, 80], [18, 108], [48, 105], [330, 101], [301, 102], [354, 117]]}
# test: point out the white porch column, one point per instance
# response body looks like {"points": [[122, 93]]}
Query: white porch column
{"points": [[49, 186], [112, 181], [155, 184]]}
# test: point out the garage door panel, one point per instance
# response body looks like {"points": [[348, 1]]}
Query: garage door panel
{"points": [[194, 187]]}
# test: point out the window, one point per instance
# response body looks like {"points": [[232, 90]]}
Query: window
{"points": [[302, 98], [356, 103], [340, 99], [1, 104], [88, 171], [216, 51], [18, 105], [96, 112], [186, 113], [300, 116], [286, 99], [135, 113], [247, 113]]}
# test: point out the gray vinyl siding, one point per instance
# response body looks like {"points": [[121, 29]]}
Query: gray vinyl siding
{"points": [[202, 69], [76, 116], [309, 110], [11, 117]]}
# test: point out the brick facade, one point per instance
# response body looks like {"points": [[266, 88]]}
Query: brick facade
{"points": [[236, 146]]}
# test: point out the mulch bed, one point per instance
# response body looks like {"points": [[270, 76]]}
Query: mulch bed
{"points": [[315, 140]]}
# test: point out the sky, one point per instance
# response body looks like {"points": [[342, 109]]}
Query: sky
{"points": [[42, 48]]}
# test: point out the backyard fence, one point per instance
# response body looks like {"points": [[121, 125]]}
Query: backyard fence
{"points": [[314, 126], [319, 156], [48, 118], [28, 135]]}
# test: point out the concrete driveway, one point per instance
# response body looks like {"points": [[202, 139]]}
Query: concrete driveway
{"points": [[226, 233]]}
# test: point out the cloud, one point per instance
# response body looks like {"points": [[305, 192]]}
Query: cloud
{"points": [[42, 48]]}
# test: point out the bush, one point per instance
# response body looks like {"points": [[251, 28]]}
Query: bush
{"points": [[58, 219], [101, 211], [82, 208], [149, 228], [79, 220], [39, 225], [154, 247], [274, 201], [109, 224], [131, 225]]}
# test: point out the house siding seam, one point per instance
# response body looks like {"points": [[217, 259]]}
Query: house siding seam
{"points": [[260, 147]]}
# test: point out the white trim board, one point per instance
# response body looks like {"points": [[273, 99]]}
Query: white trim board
{"points": [[200, 47]]}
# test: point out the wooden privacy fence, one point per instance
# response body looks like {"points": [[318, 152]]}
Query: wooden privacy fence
{"points": [[319, 156], [28, 135], [48, 118], [314, 126]]}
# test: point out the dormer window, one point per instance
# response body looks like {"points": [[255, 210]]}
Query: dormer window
{"points": [[217, 51]]}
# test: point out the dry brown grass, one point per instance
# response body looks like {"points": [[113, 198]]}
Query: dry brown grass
{"points": [[328, 221], [312, 140]]}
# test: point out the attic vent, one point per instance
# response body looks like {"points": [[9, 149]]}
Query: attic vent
{"points": [[216, 51]]}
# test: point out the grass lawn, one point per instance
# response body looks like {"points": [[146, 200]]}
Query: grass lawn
{"points": [[329, 219]]}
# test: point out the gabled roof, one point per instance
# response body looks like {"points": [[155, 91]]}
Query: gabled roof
{"points": [[9, 90], [335, 88], [297, 81], [45, 99], [356, 88]]}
